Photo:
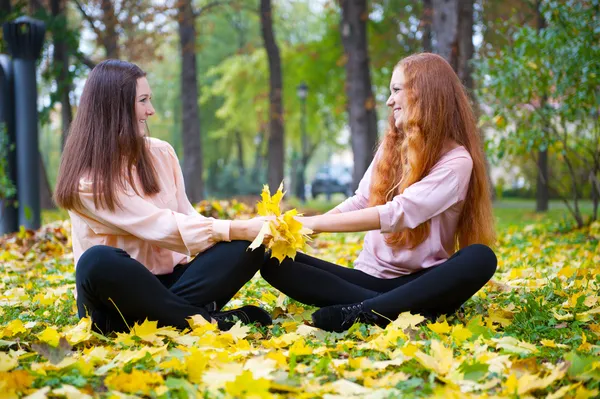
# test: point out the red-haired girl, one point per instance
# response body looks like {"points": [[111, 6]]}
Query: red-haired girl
{"points": [[425, 202]]}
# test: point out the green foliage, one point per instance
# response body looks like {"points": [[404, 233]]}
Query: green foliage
{"points": [[542, 90]]}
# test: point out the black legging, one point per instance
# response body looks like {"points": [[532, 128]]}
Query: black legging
{"points": [[433, 291], [108, 278]]}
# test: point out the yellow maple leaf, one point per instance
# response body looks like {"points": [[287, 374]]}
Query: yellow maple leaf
{"points": [[238, 331], [460, 333], [14, 327], [440, 360], [269, 206], [81, 332], [196, 364], [246, 386], [440, 328], [138, 381], [7, 362], [50, 336], [407, 319]]}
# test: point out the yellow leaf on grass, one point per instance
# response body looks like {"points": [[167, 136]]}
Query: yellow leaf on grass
{"points": [[196, 364], [513, 345], [246, 386], [70, 392], [138, 381], [14, 327], [7, 362], [50, 336], [238, 331], [440, 359], [531, 382], [551, 344], [81, 332], [460, 333], [440, 328], [407, 319], [299, 348]]}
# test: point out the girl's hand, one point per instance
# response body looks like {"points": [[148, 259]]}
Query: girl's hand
{"points": [[309, 222]]}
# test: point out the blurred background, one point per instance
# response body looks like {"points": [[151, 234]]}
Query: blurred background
{"points": [[253, 92]]}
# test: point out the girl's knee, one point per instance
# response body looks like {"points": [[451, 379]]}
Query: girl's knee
{"points": [[93, 258], [486, 259]]}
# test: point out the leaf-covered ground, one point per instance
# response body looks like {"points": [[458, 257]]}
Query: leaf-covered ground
{"points": [[532, 332]]}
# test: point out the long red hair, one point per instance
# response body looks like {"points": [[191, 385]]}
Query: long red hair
{"points": [[438, 109]]}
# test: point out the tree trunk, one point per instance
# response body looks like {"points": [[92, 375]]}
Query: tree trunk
{"points": [[192, 145], [240, 150], [361, 103], [259, 157], [465, 53], [5, 7], [276, 152], [541, 193], [465, 48], [46, 201], [34, 6], [61, 61], [445, 28], [110, 40], [426, 20]]}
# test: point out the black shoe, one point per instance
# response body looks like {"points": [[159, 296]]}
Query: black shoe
{"points": [[247, 315], [339, 318]]}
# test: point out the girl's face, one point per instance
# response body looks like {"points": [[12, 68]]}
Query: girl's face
{"points": [[143, 105], [397, 99]]}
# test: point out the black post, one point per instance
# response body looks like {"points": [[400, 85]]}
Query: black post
{"points": [[9, 217], [25, 37]]}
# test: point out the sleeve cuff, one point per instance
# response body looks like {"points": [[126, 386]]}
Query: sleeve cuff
{"points": [[221, 230], [385, 218]]}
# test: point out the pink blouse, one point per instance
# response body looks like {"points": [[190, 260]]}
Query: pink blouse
{"points": [[438, 196], [159, 231]]}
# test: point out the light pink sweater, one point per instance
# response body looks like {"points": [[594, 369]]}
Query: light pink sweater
{"points": [[438, 196], [159, 231]]}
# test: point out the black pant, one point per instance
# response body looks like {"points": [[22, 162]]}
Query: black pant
{"points": [[433, 291], [109, 281]]}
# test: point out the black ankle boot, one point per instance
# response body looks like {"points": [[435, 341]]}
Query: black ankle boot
{"points": [[339, 318], [247, 315]]}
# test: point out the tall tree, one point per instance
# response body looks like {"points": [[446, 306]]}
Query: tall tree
{"points": [[541, 192], [61, 62], [276, 154], [110, 38], [426, 21], [445, 27], [192, 145], [361, 102], [465, 47]]}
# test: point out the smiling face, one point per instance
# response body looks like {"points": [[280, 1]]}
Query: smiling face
{"points": [[397, 99], [143, 104]]}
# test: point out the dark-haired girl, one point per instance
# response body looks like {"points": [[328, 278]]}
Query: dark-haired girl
{"points": [[141, 250]]}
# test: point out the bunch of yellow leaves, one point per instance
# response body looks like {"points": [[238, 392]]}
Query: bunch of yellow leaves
{"points": [[287, 234]]}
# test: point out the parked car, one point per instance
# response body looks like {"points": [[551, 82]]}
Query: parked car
{"points": [[332, 179]]}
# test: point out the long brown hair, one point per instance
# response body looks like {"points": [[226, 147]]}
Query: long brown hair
{"points": [[104, 141], [438, 109]]}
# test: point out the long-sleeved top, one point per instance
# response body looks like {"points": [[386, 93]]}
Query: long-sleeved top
{"points": [[160, 231], [438, 196]]}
